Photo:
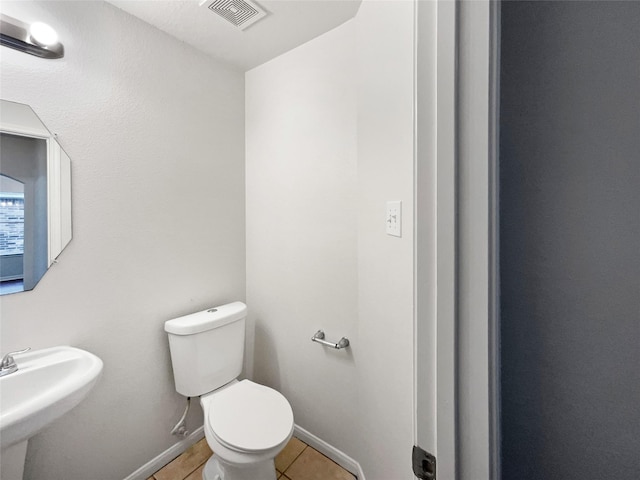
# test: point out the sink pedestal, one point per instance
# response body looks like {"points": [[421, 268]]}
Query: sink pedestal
{"points": [[12, 466]]}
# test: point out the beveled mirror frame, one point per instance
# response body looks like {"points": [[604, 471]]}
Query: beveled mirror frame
{"points": [[20, 120]]}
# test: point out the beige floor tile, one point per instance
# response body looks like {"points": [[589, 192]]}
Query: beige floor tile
{"points": [[289, 454], [312, 465], [197, 474], [186, 463], [151, 478]]}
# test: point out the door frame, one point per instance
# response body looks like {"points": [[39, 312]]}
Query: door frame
{"points": [[446, 240], [466, 331]]}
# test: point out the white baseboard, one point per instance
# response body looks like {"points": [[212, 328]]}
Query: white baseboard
{"points": [[338, 456], [155, 464]]}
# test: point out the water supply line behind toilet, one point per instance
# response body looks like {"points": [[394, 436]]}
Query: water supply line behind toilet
{"points": [[180, 429]]}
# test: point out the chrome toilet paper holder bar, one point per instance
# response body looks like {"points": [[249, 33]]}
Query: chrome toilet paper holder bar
{"points": [[319, 337]]}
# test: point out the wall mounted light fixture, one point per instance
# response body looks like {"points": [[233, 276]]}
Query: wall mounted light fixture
{"points": [[37, 39]]}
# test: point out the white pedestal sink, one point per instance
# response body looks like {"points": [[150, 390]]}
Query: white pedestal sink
{"points": [[48, 383]]}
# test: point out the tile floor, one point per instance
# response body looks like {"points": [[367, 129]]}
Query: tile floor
{"points": [[297, 461]]}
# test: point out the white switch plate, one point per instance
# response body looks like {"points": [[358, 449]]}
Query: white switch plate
{"points": [[394, 218]]}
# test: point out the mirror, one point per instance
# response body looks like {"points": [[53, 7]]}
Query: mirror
{"points": [[35, 198]]}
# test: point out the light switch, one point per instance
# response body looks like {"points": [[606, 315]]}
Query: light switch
{"points": [[394, 218]]}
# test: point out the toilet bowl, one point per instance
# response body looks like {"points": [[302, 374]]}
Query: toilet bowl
{"points": [[246, 424]]}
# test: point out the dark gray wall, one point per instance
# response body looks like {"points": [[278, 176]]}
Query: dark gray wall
{"points": [[570, 240]]}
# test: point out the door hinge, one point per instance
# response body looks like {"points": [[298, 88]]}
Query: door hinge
{"points": [[424, 464]]}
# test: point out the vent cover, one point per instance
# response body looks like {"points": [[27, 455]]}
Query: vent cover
{"points": [[241, 13]]}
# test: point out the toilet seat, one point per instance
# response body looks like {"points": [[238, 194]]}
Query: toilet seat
{"points": [[249, 417]]}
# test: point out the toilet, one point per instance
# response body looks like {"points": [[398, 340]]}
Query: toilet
{"points": [[245, 424]]}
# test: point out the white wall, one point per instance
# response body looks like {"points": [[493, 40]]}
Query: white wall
{"points": [[155, 133], [329, 141], [385, 49], [302, 230]]}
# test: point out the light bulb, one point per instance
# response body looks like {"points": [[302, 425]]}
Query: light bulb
{"points": [[43, 34]]}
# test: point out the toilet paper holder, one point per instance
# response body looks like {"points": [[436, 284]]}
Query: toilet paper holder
{"points": [[319, 338]]}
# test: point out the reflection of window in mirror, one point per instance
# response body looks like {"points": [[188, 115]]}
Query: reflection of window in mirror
{"points": [[11, 235], [23, 161]]}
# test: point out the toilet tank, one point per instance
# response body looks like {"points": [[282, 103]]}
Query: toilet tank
{"points": [[207, 348]]}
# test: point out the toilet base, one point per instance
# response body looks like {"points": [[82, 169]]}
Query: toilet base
{"points": [[218, 469]]}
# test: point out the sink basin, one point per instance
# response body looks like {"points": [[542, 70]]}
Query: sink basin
{"points": [[48, 383]]}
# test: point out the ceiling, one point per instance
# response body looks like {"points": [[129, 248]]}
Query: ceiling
{"points": [[289, 23]]}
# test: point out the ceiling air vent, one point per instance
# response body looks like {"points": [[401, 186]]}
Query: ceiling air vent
{"points": [[241, 13]]}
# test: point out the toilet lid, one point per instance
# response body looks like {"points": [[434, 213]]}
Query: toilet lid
{"points": [[250, 417]]}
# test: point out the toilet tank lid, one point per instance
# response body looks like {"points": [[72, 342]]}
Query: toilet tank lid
{"points": [[207, 319]]}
